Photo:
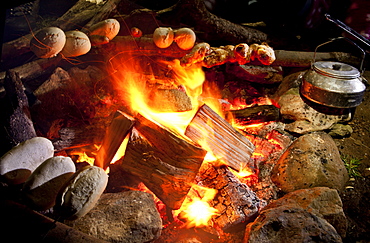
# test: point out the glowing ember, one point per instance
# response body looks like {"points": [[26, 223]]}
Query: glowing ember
{"points": [[196, 210]]}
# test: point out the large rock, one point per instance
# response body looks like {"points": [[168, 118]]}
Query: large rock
{"points": [[290, 224], [312, 160], [122, 217], [321, 201]]}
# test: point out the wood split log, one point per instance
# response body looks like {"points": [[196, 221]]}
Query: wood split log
{"points": [[119, 128], [17, 125], [255, 114], [236, 203], [217, 135], [166, 163]]}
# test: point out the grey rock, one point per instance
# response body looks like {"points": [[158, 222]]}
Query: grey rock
{"points": [[321, 201], [122, 217], [290, 224], [313, 160]]}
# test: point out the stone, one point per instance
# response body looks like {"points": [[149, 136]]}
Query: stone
{"points": [[41, 188], [340, 130], [129, 216], [287, 223], [81, 192], [18, 163], [312, 160], [324, 202]]}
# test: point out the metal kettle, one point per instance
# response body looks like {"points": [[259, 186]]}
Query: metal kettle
{"points": [[333, 84]]}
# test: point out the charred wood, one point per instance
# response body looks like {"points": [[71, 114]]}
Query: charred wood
{"points": [[215, 133], [236, 203], [256, 114]]}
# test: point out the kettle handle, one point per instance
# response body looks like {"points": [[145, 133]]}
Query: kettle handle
{"points": [[350, 41]]}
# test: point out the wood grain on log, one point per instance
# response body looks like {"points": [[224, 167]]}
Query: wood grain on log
{"points": [[215, 133], [166, 163], [256, 114], [236, 203], [119, 128]]}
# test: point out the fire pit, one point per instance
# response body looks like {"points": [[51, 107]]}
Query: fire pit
{"points": [[207, 143]]}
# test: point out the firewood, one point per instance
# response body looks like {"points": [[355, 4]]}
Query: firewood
{"points": [[104, 12], [166, 163], [236, 203], [17, 124], [194, 13], [119, 128], [32, 70], [74, 18], [256, 114], [215, 133], [304, 59], [77, 137]]}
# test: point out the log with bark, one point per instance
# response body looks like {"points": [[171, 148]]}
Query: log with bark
{"points": [[236, 203], [166, 163], [215, 134], [255, 114]]}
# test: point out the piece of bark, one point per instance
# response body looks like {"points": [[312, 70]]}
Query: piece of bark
{"points": [[236, 203], [217, 135], [305, 59], [117, 131], [17, 123], [166, 163], [256, 114]]}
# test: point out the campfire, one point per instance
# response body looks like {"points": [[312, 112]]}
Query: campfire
{"points": [[161, 137]]}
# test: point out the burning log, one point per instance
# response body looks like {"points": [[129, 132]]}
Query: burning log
{"points": [[256, 114], [166, 163], [119, 128], [17, 124], [236, 203], [213, 132]]}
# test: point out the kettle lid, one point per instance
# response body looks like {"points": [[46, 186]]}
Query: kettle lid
{"points": [[335, 69]]}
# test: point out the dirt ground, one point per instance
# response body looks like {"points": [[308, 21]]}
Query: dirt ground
{"points": [[356, 196]]}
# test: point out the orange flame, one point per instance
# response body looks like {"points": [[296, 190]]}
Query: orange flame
{"points": [[196, 209]]}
